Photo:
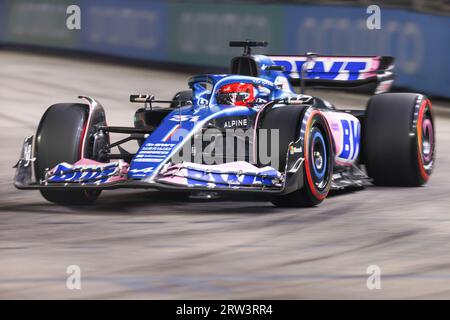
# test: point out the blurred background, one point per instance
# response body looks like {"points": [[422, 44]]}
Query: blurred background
{"points": [[196, 32], [146, 244]]}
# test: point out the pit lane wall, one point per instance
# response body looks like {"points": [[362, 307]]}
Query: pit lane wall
{"points": [[193, 33]]}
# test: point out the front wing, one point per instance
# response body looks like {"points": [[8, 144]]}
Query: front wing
{"points": [[228, 177]]}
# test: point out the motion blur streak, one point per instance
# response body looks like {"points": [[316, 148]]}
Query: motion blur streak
{"points": [[137, 244]]}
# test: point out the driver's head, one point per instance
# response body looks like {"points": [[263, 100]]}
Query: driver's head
{"points": [[236, 94]]}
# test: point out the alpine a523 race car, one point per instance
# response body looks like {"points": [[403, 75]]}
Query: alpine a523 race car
{"points": [[246, 131]]}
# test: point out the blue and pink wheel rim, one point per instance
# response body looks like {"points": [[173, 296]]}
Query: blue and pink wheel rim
{"points": [[319, 158]]}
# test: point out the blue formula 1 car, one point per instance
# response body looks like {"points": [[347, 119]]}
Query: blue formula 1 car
{"points": [[246, 131]]}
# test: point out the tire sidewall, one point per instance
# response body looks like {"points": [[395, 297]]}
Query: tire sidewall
{"points": [[425, 168]]}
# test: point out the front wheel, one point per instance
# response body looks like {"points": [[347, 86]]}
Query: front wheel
{"points": [[318, 156], [59, 138]]}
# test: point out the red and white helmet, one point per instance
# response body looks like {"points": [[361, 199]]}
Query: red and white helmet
{"points": [[236, 94]]}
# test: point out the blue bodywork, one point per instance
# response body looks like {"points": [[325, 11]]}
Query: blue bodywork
{"points": [[179, 126]]}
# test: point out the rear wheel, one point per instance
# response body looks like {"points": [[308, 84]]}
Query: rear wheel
{"points": [[59, 139], [399, 139], [181, 96]]}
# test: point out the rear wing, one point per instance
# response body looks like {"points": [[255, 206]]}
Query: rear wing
{"points": [[373, 72]]}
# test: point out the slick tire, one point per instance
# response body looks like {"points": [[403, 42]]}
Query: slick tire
{"points": [[181, 96], [399, 139], [58, 139], [319, 156]]}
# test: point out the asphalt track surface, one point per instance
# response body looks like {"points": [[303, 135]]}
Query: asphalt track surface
{"points": [[145, 244]]}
